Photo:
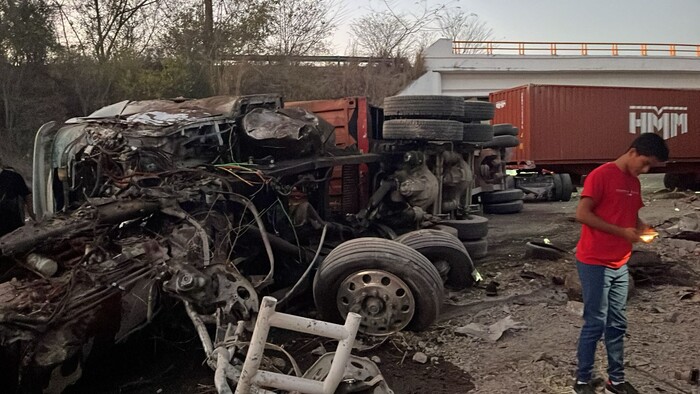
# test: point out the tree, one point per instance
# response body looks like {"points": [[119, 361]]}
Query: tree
{"points": [[301, 27], [106, 27], [239, 27], [26, 38], [390, 34], [26, 31], [462, 26]]}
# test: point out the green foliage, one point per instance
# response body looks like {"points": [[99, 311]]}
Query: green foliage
{"points": [[240, 28], [139, 79], [26, 31]]}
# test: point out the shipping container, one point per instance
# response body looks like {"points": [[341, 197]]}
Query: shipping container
{"points": [[576, 128]]}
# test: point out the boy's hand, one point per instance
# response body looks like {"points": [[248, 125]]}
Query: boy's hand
{"points": [[648, 235], [631, 234]]}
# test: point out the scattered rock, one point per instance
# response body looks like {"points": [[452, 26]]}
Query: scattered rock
{"points": [[575, 307], [420, 358], [573, 286], [672, 318], [657, 309], [319, 351], [542, 356], [376, 359], [278, 362], [683, 245]]}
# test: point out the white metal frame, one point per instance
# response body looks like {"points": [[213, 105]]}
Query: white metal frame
{"points": [[268, 317]]}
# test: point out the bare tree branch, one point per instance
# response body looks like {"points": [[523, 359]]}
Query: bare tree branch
{"points": [[301, 27], [387, 33], [462, 26], [109, 26]]}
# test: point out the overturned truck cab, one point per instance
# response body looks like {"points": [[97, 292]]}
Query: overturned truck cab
{"points": [[216, 203]]}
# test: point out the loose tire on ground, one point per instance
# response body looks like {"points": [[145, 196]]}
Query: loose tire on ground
{"points": [[567, 187], [478, 110], [423, 129], [672, 181], [471, 227], [447, 229], [424, 107], [439, 246], [504, 207], [558, 188], [368, 259], [502, 196], [540, 250], [682, 181], [477, 249], [477, 132]]}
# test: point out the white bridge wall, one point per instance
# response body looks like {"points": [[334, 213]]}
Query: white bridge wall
{"points": [[478, 75]]}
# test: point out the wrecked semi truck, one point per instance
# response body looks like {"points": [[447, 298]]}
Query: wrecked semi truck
{"points": [[567, 131], [215, 203]]}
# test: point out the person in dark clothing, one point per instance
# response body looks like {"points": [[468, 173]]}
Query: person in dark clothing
{"points": [[14, 196]]}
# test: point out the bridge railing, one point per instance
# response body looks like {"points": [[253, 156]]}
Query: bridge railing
{"points": [[524, 48]]}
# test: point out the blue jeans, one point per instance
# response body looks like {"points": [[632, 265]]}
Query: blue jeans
{"points": [[604, 313]]}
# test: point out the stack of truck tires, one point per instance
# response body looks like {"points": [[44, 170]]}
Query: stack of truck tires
{"points": [[445, 118], [510, 200], [423, 118]]}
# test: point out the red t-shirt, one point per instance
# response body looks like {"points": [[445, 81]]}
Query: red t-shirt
{"points": [[618, 199]]}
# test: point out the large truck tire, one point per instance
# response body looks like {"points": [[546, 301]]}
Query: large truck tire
{"points": [[446, 252], [672, 180], [364, 275], [558, 188], [469, 228], [423, 129], [567, 187], [424, 107], [682, 181], [503, 141], [478, 110], [505, 129], [447, 229], [502, 196], [477, 132], [504, 207], [477, 248]]}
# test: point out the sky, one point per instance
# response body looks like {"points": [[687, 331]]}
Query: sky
{"points": [[609, 21]]}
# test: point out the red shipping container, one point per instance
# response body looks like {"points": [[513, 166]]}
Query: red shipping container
{"points": [[575, 128]]}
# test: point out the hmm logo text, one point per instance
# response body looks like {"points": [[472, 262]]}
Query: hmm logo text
{"points": [[666, 121]]}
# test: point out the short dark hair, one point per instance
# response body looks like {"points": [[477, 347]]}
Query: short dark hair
{"points": [[650, 144]]}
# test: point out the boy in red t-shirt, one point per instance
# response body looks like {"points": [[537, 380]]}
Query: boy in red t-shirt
{"points": [[608, 211]]}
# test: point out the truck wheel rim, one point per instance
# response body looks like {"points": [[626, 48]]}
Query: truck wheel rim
{"points": [[384, 301]]}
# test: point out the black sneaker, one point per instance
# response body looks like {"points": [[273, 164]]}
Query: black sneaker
{"points": [[622, 388], [583, 388]]}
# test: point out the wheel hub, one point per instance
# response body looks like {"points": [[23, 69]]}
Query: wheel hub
{"points": [[384, 301]]}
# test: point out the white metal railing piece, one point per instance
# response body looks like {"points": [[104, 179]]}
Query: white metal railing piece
{"points": [[268, 317]]}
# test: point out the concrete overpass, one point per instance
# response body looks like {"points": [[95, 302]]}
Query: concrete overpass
{"points": [[471, 69]]}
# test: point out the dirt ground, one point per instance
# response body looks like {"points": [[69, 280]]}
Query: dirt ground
{"points": [[663, 341]]}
